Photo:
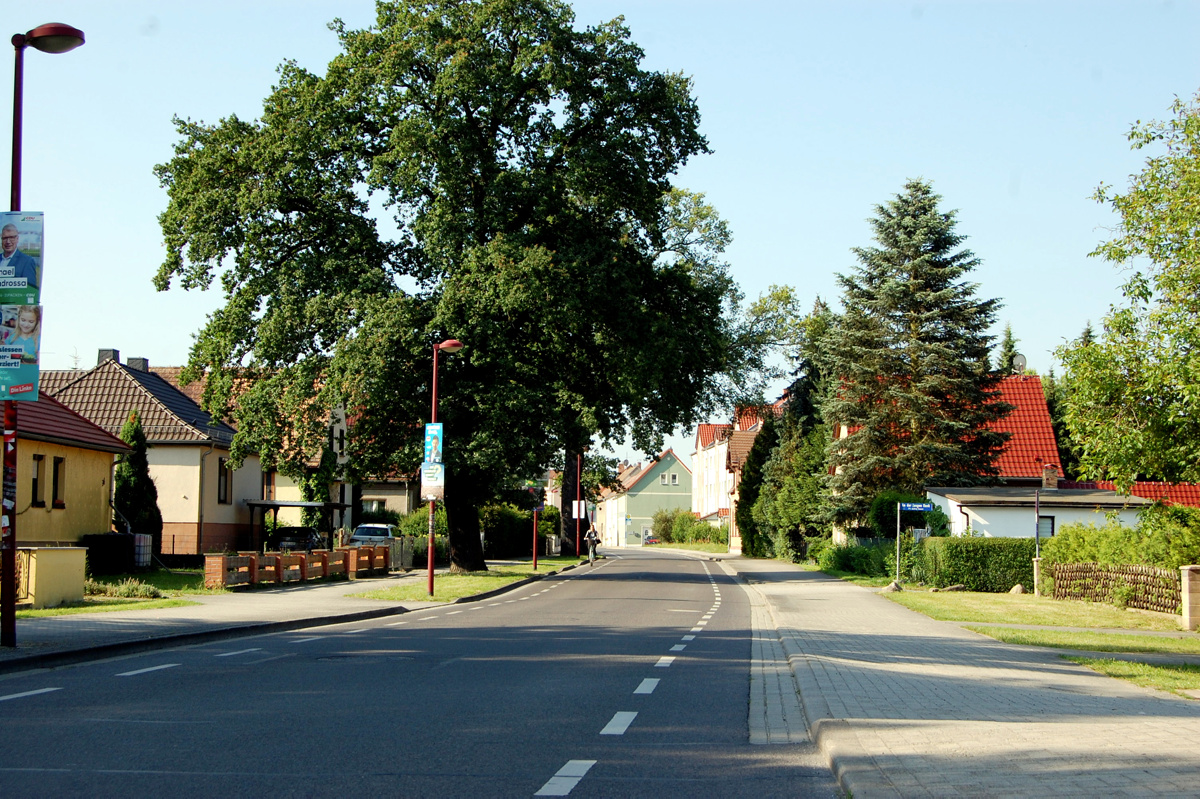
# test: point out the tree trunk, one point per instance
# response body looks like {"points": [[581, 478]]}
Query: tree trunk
{"points": [[462, 522], [569, 496]]}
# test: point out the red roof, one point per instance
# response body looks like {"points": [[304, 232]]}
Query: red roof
{"points": [[1032, 444], [1168, 493], [707, 433], [50, 420], [750, 416]]}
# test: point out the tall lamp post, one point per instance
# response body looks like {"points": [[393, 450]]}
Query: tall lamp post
{"points": [[53, 37], [449, 346]]}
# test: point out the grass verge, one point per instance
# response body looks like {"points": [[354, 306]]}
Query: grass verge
{"points": [[175, 582], [449, 587], [102, 605], [1092, 642], [1028, 609], [696, 546], [1172, 678], [857, 579]]}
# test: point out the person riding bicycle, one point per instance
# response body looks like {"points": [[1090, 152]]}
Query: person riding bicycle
{"points": [[593, 540]]}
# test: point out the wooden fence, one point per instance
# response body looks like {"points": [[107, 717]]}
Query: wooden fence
{"points": [[250, 568], [1144, 587]]}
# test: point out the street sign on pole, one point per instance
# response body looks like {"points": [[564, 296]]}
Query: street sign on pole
{"points": [[926, 506]]}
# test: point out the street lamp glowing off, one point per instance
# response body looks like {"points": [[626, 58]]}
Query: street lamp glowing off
{"points": [[53, 37], [449, 346]]}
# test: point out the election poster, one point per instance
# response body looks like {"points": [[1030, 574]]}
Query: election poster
{"points": [[21, 257], [433, 443]]}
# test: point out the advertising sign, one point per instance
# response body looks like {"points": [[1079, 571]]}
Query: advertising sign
{"points": [[433, 481], [433, 443], [20, 308]]}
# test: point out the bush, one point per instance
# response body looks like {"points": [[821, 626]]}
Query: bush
{"points": [[992, 565], [507, 531], [416, 523], [383, 516], [441, 549], [1166, 536], [128, 588], [864, 559], [881, 516], [679, 526], [108, 553]]}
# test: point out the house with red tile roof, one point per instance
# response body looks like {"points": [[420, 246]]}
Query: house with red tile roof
{"points": [[626, 516], [64, 474], [1031, 445], [202, 500]]}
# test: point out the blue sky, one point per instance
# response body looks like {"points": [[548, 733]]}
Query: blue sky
{"points": [[816, 112]]}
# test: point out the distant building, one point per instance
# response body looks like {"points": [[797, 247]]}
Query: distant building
{"points": [[627, 515]]}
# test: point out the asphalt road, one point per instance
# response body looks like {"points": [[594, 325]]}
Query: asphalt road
{"points": [[629, 678]]}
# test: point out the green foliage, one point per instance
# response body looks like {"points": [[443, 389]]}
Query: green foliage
{"points": [[129, 588], [416, 523], [1007, 352], [756, 543], [135, 497], [1132, 403], [867, 560], [507, 531], [915, 389], [527, 164], [549, 522], [679, 526], [441, 550], [382, 516], [1166, 536], [881, 515], [991, 565], [938, 522]]}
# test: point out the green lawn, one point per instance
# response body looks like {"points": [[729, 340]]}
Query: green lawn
{"points": [[1165, 678], [103, 604], [1092, 642], [175, 582], [697, 546], [449, 587], [1027, 609]]}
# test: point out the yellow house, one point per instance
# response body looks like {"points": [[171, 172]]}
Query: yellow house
{"points": [[64, 474]]}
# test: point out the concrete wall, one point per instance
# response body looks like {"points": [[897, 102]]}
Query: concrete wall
{"points": [[88, 484], [175, 470]]}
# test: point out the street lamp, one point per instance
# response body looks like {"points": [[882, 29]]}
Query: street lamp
{"points": [[449, 346], [53, 37]]}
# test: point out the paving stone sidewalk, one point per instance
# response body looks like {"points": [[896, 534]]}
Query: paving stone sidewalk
{"points": [[903, 705]]}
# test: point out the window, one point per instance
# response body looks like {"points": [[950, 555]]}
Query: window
{"points": [[268, 488], [224, 479], [341, 441], [674, 479], [662, 478], [38, 485], [59, 483], [1045, 526]]}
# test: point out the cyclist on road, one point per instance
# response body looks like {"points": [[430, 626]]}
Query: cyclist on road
{"points": [[592, 541]]}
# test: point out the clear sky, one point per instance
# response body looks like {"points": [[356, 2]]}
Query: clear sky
{"points": [[815, 112]]}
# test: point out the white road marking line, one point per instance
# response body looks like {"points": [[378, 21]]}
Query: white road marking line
{"points": [[664, 662], [152, 668], [522, 599], [305, 640], [490, 604], [702, 622], [24, 694], [453, 612], [361, 629], [397, 623], [647, 687], [476, 607], [689, 638], [697, 630], [566, 779], [679, 647], [620, 722], [239, 652], [507, 601], [707, 616]]}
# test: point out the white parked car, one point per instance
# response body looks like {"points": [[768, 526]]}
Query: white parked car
{"points": [[373, 534]]}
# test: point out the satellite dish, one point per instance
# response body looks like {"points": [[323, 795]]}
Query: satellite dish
{"points": [[1019, 364]]}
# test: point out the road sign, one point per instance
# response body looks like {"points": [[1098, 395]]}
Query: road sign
{"points": [[916, 506]]}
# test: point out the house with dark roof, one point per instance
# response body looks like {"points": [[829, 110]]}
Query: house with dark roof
{"points": [[202, 500], [627, 515], [64, 474]]}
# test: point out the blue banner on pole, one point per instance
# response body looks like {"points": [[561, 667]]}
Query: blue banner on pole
{"points": [[916, 506]]}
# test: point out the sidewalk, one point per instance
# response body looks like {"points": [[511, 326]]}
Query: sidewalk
{"points": [[55, 640], [902, 705]]}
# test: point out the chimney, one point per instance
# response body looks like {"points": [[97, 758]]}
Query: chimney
{"points": [[1050, 477], [108, 355], [141, 364]]}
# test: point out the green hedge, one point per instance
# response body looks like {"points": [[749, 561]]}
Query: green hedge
{"points": [[1167, 537], [992, 565]]}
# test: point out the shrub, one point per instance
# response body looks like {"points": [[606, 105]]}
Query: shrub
{"points": [[382, 516], [980, 564], [881, 516], [108, 553], [864, 559], [1167, 537], [441, 549], [416, 523], [507, 531], [128, 588]]}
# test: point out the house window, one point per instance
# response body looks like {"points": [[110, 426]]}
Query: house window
{"points": [[58, 485], [674, 479], [224, 479], [38, 483], [1045, 526], [662, 478], [341, 441], [268, 488]]}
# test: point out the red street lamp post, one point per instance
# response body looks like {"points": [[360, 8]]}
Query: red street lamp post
{"points": [[53, 37], [449, 346]]}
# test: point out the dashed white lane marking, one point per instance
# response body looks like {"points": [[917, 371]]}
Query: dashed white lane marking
{"points": [[24, 694], [664, 662], [490, 604], [679, 647], [702, 622], [697, 630], [685, 638], [522, 599], [647, 687], [240, 651], [620, 722], [397, 623], [360, 629], [566, 779], [453, 612], [309, 638], [707, 616], [144, 671]]}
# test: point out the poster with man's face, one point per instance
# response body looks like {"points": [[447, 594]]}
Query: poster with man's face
{"points": [[21, 251]]}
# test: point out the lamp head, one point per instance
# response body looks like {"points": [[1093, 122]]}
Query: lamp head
{"points": [[450, 345], [53, 37]]}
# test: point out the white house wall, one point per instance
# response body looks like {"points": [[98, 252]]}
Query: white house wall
{"points": [[997, 521], [174, 470]]}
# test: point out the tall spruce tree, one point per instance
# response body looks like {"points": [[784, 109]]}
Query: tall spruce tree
{"points": [[915, 392], [755, 543], [135, 497], [1007, 353]]}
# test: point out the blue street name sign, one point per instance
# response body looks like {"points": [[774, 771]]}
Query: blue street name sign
{"points": [[916, 506]]}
